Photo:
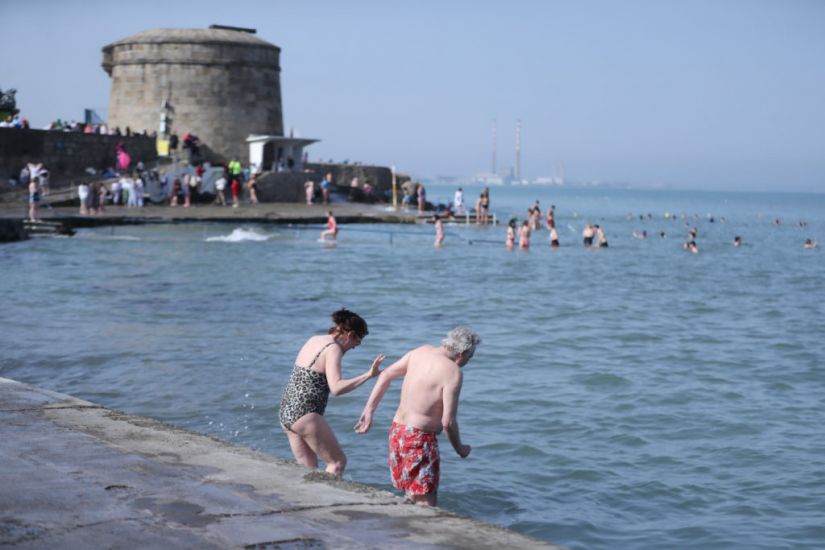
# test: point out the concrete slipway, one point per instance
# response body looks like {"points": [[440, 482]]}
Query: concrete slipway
{"points": [[78, 475]]}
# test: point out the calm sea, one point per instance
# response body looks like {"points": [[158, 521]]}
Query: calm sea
{"points": [[634, 397]]}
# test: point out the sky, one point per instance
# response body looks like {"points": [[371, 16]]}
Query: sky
{"points": [[689, 94]]}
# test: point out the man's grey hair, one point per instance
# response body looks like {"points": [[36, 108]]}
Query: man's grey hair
{"points": [[459, 340]]}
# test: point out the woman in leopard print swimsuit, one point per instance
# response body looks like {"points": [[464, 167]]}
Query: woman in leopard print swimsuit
{"points": [[304, 399]]}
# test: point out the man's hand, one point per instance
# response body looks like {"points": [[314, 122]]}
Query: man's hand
{"points": [[364, 423], [464, 451]]}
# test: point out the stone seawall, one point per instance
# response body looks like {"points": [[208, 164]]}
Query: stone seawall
{"points": [[78, 475], [12, 230], [65, 154]]}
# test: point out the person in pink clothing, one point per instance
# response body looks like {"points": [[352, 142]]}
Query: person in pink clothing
{"points": [[439, 231], [524, 235], [123, 158]]}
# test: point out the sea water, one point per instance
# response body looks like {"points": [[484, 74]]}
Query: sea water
{"points": [[638, 396]]}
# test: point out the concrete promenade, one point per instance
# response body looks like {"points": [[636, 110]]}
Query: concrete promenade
{"points": [[78, 475], [284, 212]]}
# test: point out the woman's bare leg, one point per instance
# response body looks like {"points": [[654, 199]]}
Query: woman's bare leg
{"points": [[302, 452], [316, 433]]}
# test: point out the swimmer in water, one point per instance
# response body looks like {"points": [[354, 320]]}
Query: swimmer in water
{"points": [[439, 231], [551, 217], [601, 240], [587, 235], [535, 223], [332, 228], [691, 246], [524, 235], [809, 244], [511, 234], [737, 241], [554, 237]]}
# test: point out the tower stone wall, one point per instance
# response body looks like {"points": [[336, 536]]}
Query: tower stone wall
{"points": [[222, 85]]}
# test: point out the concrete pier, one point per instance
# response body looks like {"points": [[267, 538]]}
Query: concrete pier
{"points": [[78, 475]]}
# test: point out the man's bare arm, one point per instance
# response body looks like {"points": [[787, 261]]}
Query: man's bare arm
{"points": [[396, 370], [449, 419]]}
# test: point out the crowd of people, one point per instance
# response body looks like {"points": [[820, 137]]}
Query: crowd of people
{"points": [[19, 121], [14, 121], [593, 235], [175, 189]]}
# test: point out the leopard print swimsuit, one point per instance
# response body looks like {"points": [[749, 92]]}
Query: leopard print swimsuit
{"points": [[305, 392]]}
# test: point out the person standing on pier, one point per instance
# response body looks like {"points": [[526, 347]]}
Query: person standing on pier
{"points": [[428, 405], [458, 202], [422, 198], [305, 395], [235, 188], [220, 185], [483, 207], [83, 196], [34, 199], [235, 169], [309, 190]]}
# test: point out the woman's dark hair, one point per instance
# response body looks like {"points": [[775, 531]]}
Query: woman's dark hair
{"points": [[346, 321]]}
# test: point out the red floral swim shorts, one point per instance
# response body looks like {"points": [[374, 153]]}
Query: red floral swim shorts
{"points": [[414, 460]]}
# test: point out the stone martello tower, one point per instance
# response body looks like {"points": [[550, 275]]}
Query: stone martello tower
{"points": [[223, 84]]}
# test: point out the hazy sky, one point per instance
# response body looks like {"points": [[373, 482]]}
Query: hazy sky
{"points": [[719, 94]]}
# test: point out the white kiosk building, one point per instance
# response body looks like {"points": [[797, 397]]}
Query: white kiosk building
{"points": [[277, 153]]}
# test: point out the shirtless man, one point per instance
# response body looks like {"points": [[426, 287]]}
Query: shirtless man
{"points": [[554, 237], [429, 403], [587, 235]]}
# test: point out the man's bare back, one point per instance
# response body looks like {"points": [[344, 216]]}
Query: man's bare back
{"points": [[430, 374]]}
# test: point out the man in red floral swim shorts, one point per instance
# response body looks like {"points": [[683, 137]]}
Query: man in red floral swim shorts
{"points": [[429, 404], [414, 460]]}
